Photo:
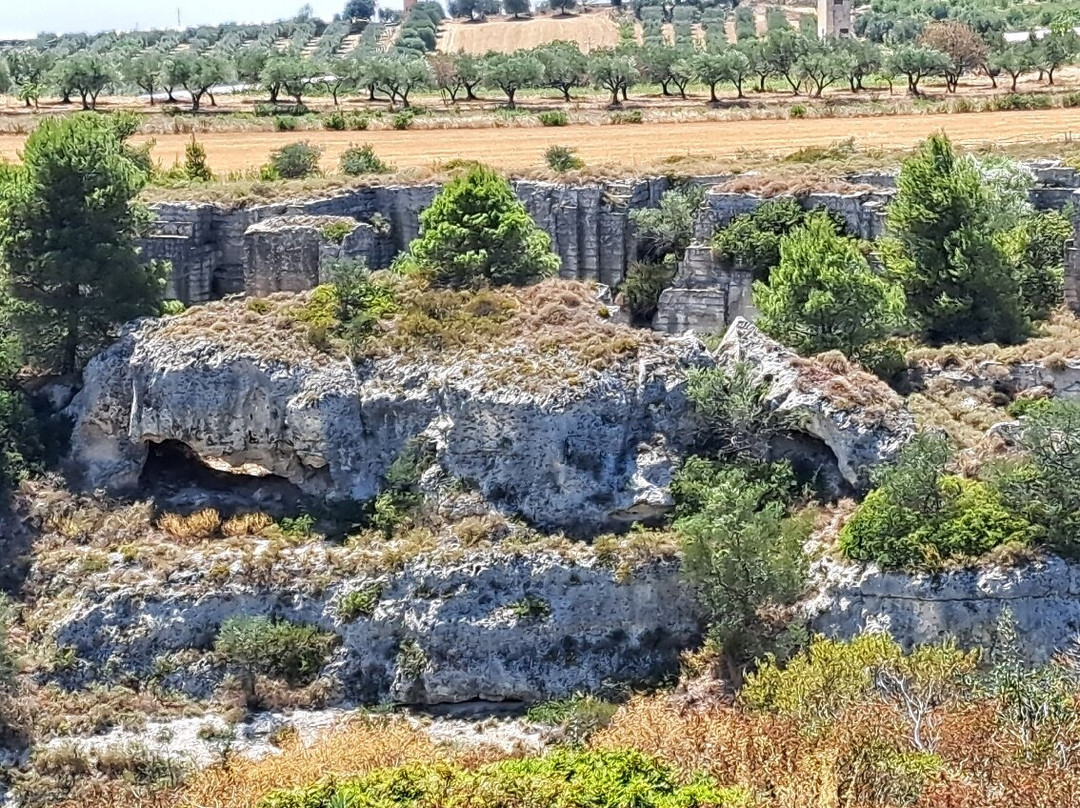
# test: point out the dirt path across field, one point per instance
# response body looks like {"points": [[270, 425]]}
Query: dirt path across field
{"points": [[626, 146]]}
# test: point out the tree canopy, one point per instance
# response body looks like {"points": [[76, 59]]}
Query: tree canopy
{"points": [[68, 221]]}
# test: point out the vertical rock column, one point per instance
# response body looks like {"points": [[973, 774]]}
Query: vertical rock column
{"points": [[1072, 264]]}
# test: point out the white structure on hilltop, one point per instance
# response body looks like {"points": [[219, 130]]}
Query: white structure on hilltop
{"points": [[834, 18]]}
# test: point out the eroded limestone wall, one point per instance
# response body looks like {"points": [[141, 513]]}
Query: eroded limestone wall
{"points": [[212, 255], [1042, 598], [589, 225]]}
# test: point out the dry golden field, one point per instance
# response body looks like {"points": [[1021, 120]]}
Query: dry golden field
{"points": [[627, 147], [590, 31]]}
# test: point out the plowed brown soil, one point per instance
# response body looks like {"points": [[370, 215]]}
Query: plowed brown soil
{"points": [[627, 146]]}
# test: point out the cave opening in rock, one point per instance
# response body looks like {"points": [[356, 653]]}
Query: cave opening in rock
{"points": [[178, 479]]}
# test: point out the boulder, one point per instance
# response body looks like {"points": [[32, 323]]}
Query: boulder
{"points": [[859, 417]]}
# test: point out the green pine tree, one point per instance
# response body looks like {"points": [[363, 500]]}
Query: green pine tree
{"points": [[958, 283], [68, 223], [477, 232]]}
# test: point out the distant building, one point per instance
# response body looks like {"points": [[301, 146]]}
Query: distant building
{"points": [[407, 7], [834, 18]]}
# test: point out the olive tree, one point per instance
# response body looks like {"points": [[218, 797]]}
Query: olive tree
{"points": [[511, 72], [614, 72]]}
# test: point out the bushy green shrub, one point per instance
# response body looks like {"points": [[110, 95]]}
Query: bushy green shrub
{"points": [[196, 167], [553, 117], [358, 160], [958, 283], [276, 648], [1044, 486], [336, 232], [286, 123], [335, 121], [578, 716], [668, 229], [403, 119], [752, 240], [267, 110], [745, 558], [477, 232], [171, 308], [698, 476], [919, 517], [296, 161], [401, 497], [21, 449], [569, 778], [1035, 248], [359, 602], [640, 290], [823, 296], [730, 403], [831, 678], [562, 158], [627, 116]]}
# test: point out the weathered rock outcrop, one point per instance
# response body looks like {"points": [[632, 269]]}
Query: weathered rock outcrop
{"points": [[855, 414], [1043, 598], [443, 632], [578, 448]]}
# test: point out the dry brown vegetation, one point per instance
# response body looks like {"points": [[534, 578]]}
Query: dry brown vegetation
{"points": [[1056, 342], [556, 328]]}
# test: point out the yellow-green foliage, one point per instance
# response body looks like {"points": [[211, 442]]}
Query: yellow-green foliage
{"points": [[971, 521], [565, 778], [831, 677]]}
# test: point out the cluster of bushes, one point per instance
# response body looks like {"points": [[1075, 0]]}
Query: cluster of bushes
{"points": [[275, 648], [921, 516], [418, 29], [663, 233], [966, 258], [567, 777]]}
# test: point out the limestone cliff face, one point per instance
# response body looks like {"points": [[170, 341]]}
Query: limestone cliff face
{"points": [[1043, 598], [577, 448], [862, 421], [440, 632]]}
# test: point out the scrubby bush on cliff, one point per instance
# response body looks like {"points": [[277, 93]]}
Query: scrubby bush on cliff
{"points": [[476, 232], [1044, 486], [752, 240], [277, 648], [920, 517], [958, 282], [640, 290], [736, 421], [569, 778], [68, 222], [669, 228], [823, 296], [20, 445], [744, 556], [1035, 248]]}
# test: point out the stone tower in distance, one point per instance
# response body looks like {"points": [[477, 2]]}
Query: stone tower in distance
{"points": [[834, 18]]}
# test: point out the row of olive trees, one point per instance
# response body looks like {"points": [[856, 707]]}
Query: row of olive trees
{"points": [[803, 63]]}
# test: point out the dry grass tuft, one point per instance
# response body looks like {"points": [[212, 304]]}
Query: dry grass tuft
{"points": [[362, 744], [246, 524], [846, 385], [1056, 342], [769, 185], [202, 524]]}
